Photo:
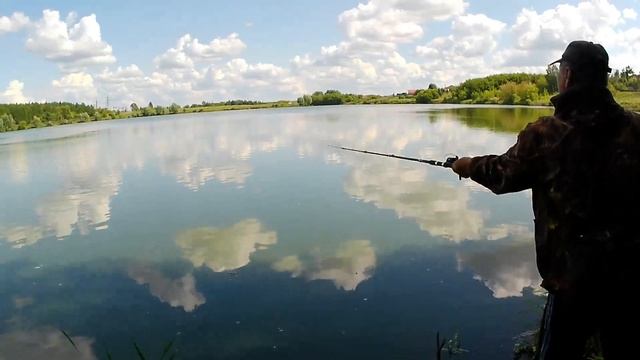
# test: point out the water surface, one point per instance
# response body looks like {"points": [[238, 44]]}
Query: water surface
{"points": [[244, 235]]}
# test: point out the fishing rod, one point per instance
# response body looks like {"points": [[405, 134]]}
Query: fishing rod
{"points": [[447, 163]]}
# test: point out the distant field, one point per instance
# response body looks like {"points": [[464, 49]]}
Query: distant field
{"points": [[628, 99], [222, 107]]}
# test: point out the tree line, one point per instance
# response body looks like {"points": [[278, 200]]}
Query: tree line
{"points": [[35, 115], [512, 89], [507, 89]]}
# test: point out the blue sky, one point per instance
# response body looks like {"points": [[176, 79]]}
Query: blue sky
{"points": [[373, 46]]}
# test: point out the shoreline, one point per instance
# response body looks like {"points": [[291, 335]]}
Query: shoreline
{"points": [[266, 106], [292, 104]]}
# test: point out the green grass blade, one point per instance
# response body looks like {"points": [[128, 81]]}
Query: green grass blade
{"points": [[167, 348], [139, 352], [69, 339]]}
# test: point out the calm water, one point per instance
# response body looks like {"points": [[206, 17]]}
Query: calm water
{"points": [[244, 235]]}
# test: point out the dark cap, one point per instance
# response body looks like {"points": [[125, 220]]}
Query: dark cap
{"points": [[586, 54]]}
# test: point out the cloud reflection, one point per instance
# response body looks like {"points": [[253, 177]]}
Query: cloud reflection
{"points": [[225, 249], [507, 267], [20, 236], [440, 208], [82, 204], [353, 263], [44, 343], [180, 292]]}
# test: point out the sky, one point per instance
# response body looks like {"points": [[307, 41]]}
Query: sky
{"points": [[189, 51]]}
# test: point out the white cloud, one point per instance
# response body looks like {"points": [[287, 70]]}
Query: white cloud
{"points": [[190, 50], [464, 53], [371, 57], [368, 60], [16, 22], [541, 37], [396, 21], [14, 94], [70, 45], [121, 74], [629, 14], [76, 87]]}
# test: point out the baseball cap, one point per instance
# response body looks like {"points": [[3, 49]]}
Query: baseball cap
{"points": [[585, 53]]}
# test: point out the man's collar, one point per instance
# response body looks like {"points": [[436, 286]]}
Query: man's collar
{"points": [[582, 100]]}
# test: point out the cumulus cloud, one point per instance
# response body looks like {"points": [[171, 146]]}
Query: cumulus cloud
{"points": [[540, 38], [629, 14], [225, 249], [14, 94], [74, 80], [70, 45], [465, 52], [16, 22], [190, 50], [76, 87], [372, 57], [180, 292], [368, 60], [396, 21], [353, 263], [182, 80]]}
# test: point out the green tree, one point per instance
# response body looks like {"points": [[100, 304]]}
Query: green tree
{"points": [[84, 117], [134, 107], [627, 72], [552, 79], [427, 96]]}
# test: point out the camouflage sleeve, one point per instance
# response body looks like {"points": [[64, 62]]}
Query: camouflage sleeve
{"points": [[524, 163]]}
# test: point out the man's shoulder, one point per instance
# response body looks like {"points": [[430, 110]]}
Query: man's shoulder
{"points": [[634, 119], [631, 129], [547, 126]]}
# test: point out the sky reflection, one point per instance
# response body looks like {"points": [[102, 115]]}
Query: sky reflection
{"points": [[263, 218]]}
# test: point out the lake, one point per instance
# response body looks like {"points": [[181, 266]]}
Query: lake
{"points": [[244, 235]]}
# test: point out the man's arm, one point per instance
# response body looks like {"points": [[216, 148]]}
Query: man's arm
{"points": [[522, 165]]}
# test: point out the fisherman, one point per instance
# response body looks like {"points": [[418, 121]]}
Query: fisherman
{"points": [[583, 166]]}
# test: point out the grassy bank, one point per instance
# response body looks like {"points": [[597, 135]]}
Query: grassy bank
{"points": [[14, 117], [630, 100], [28, 116]]}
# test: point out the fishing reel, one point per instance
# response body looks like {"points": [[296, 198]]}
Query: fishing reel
{"points": [[450, 160]]}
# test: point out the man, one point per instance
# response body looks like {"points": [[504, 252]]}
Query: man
{"points": [[583, 166]]}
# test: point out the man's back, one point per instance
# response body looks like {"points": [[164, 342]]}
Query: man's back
{"points": [[583, 165], [587, 198]]}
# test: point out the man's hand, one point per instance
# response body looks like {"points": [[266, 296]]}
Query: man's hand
{"points": [[462, 167]]}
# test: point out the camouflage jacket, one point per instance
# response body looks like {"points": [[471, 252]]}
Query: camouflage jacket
{"points": [[583, 166]]}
